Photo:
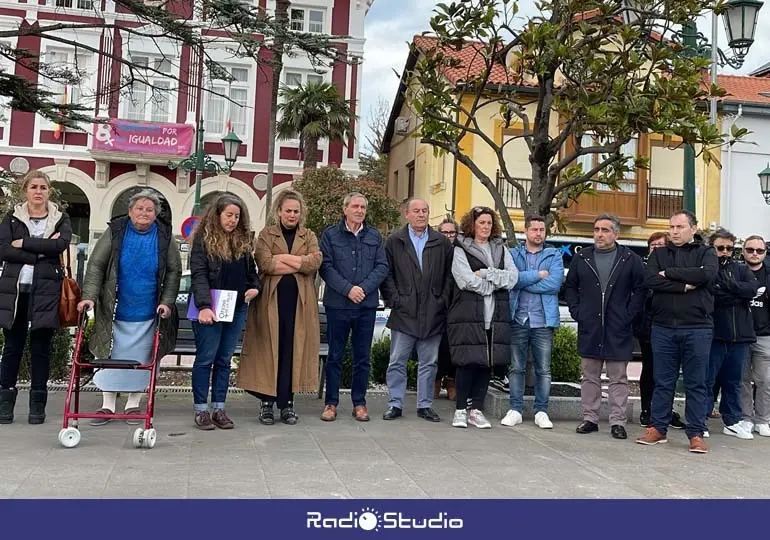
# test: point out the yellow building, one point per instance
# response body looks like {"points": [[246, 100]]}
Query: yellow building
{"points": [[645, 201]]}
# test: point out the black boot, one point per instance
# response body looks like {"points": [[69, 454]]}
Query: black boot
{"points": [[37, 402], [7, 404]]}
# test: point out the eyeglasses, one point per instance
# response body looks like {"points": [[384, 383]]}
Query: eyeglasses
{"points": [[482, 210], [654, 246], [751, 251], [449, 233], [727, 249]]}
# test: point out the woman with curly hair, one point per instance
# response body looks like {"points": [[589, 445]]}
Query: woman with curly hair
{"points": [[479, 320], [221, 258], [280, 348]]}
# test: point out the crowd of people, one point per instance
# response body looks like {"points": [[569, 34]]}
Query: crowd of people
{"points": [[465, 302]]}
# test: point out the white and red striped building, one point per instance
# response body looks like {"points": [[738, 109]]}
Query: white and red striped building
{"points": [[97, 183]]}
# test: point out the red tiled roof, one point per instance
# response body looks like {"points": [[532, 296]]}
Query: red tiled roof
{"points": [[743, 89], [471, 59], [740, 89]]}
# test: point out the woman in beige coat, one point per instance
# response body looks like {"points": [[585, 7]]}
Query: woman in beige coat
{"points": [[280, 347]]}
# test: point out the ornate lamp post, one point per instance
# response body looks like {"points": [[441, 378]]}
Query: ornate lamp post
{"points": [[200, 161]]}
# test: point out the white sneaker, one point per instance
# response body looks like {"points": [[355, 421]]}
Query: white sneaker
{"points": [[542, 421], [460, 418], [511, 418], [737, 430], [762, 429], [477, 418], [747, 425], [706, 435]]}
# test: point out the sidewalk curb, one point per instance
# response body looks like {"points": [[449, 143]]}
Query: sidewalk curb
{"points": [[564, 408]]}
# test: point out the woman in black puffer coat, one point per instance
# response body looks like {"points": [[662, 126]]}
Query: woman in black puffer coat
{"points": [[479, 319], [32, 238]]}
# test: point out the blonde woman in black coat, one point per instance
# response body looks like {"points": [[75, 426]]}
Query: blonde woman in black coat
{"points": [[32, 238]]}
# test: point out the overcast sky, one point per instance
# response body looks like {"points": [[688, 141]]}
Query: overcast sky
{"points": [[391, 24]]}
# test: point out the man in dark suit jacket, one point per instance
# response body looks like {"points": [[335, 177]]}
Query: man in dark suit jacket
{"points": [[416, 288]]}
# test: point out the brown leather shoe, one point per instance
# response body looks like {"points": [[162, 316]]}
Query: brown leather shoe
{"points": [[220, 419], [698, 445], [652, 436], [203, 421], [451, 391], [361, 414], [329, 413]]}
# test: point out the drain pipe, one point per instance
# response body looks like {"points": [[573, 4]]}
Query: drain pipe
{"points": [[726, 191]]}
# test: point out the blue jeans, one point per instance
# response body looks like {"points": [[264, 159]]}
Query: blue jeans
{"points": [[214, 347], [540, 342], [726, 364], [690, 349], [401, 346], [339, 323]]}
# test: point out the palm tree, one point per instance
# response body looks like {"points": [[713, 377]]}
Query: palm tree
{"points": [[313, 112]]}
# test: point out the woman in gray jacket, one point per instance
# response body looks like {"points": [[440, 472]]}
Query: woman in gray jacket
{"points": [[479, 320]]}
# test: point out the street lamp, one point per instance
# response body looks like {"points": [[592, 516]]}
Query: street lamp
{"points": [[740, 20], [764, 183], [200, 161]]}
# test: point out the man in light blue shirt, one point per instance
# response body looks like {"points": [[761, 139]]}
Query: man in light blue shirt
{"points": [[418, 241], [416, 289], [534, 315]]}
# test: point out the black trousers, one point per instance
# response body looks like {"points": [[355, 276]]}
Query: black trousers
{"points": [[287, 313], [471, 383], [444, 364], [646, 383], [13, 349]]}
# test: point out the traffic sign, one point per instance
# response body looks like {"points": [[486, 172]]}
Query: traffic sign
{"points": [[188, 226]]}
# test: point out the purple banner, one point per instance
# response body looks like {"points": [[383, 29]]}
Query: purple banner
{"points": [[144, 138]]}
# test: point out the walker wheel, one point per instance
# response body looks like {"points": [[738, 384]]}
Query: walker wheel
{"points": [[150, 436], [138, 437], [69, 437]]}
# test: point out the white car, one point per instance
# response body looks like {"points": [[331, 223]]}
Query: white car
{"points": [[380, 330]]}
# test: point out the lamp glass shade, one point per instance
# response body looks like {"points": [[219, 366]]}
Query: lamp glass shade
{"points": [[764, 179], [231, 144], [740, 18]]}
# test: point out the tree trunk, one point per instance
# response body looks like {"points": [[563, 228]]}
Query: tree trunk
{"points": [[310, 149], [282, 18]]}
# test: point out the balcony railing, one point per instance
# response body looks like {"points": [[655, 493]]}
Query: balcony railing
{"points": [[509, 193], [663, 202]]}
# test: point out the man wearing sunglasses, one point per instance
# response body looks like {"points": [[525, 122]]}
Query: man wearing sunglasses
{"points": [[680, 276], [756, 407], [734, 288]]}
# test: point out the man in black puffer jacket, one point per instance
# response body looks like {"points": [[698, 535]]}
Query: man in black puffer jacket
{"points": [[734, 288], [680, 277]]}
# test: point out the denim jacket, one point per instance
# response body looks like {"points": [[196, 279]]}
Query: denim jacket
{"points": [[350, 260], [549, 259]]}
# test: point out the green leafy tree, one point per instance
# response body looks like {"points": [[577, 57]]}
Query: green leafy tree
{"points": [[324, 189], [575, 69], [313, 112]]}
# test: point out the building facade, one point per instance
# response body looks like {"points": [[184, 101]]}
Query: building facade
{"points": [[745, 208], [643, 202], [153, 124]]}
